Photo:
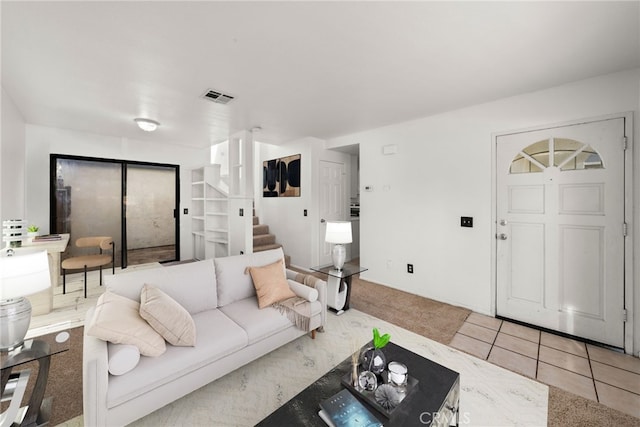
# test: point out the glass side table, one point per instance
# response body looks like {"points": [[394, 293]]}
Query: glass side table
{"points": [[339, 285], [14, 380]]}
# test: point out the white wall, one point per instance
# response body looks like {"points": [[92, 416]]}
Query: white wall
{"points": [[443, 171], [41, 141], [12, 162], [285, 215]]}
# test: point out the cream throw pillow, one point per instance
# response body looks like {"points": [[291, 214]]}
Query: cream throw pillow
{"points": [[167, 317], [271, 284], [117, 320]]}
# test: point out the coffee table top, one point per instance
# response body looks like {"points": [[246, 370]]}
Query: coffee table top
{"points": [[434, 384]]}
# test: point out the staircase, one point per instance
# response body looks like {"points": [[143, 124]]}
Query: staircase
{"points": [[263, 240]]}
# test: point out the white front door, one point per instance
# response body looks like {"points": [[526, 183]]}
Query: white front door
{"points": [[332, 205], [560, 217]]}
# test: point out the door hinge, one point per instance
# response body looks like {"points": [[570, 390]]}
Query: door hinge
{"points": [[624, 315], [624, 143], [624, 229]]}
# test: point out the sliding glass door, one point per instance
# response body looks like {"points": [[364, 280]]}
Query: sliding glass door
{"points": [[150, 214], [135, 203]]}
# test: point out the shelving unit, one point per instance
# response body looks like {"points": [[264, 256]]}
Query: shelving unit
{"points": [[209, 213]]}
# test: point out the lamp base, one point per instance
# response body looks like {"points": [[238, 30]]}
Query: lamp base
{"points": [[339, 255], [15, 318]]}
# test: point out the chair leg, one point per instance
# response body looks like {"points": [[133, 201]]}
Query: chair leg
{"points": [[100, 275], [64, 281], [85, 281]]}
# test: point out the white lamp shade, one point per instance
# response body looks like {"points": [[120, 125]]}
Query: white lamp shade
{"points": [[22, 275], [338, 232]]}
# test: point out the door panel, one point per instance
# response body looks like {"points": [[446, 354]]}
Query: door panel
{"points": [[332, 206], [560, 207]]}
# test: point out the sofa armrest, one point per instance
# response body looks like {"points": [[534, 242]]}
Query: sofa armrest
{"points": [[95, 377]]}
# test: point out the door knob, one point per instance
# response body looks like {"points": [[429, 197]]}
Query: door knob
{"points": [[501, 236], [323, 220], [503, 222]]}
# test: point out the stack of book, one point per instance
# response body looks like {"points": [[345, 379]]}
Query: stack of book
{"points": [[47, 238]]}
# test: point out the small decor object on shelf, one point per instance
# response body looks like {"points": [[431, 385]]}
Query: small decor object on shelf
{"points": [[344, 410], [397, 374], [372, 358], [367, 381], [388, 396], [32, 232], [13, 232]]}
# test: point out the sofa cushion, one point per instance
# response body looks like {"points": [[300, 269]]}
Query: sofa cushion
{"points": [[233, 283], [218, 336], [199, 278], [167, 317], [271, 284], [122, 358], [117, 320], [257, 323]]}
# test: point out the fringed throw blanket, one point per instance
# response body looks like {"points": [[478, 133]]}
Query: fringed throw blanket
{"points": [[296, 308]]}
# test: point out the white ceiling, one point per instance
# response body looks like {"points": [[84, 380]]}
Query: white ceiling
{"points": [[297, 69]]}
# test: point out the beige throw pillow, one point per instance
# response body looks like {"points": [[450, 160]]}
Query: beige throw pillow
{"points": [[271, 284], [117, 320], [167, 317]]}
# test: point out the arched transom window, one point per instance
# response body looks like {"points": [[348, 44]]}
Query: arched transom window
{"points": [[565, 154]]}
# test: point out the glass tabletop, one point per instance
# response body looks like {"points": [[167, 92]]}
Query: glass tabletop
{"points": [[34, 349], [348, 270]]}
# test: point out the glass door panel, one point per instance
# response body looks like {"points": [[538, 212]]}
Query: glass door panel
{"points": [[150, 214], [88, 198]]}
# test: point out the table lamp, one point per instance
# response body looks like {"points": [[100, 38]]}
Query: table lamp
{"points": [[20, 275], [338, 233]]}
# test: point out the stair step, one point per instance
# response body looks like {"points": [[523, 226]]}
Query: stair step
{"points": [[263, 239], [266, 247], [260, 229], [256, 220]]}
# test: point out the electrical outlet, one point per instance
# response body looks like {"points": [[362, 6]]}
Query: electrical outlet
{"points": [[305, 212], [185, 211], [410, 268], [466, 221], [241, 212]]}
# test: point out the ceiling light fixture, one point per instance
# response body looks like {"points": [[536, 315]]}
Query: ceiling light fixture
{"points": [[146, 125]]}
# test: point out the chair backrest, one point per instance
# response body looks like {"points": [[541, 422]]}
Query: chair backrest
{"points": [[103, 242]]}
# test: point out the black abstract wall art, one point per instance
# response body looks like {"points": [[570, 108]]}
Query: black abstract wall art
{"points": [[281, 177]]}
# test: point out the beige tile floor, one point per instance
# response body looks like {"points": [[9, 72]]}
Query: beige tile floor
{"points": [[595, 373]]}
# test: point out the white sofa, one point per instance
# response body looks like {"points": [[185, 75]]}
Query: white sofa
{"points": [[231, 331]]}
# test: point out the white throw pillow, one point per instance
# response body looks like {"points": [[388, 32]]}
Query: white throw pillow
{"points": [[122, 358], [167, 317], [117, 319], [303, 291]]}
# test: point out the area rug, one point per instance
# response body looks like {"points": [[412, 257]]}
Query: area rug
{"points": [[490, 395]]}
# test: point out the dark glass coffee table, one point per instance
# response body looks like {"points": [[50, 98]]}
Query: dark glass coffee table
{"points": [[434, 401], [337, 280]]}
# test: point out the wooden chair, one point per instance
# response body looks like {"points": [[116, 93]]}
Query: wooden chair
{"points": [[90, 261]]}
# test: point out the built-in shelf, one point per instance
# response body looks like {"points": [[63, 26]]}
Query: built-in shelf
{"points": [[210, 223]]}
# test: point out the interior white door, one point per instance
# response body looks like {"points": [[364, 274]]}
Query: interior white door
{"points": [[560, 214], [332, 204]]}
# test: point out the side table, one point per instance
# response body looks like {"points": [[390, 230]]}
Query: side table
{"points": [[14, 382], [339, 285]]}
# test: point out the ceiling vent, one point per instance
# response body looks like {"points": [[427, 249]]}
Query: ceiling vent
{"points": [[217, 97]]}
